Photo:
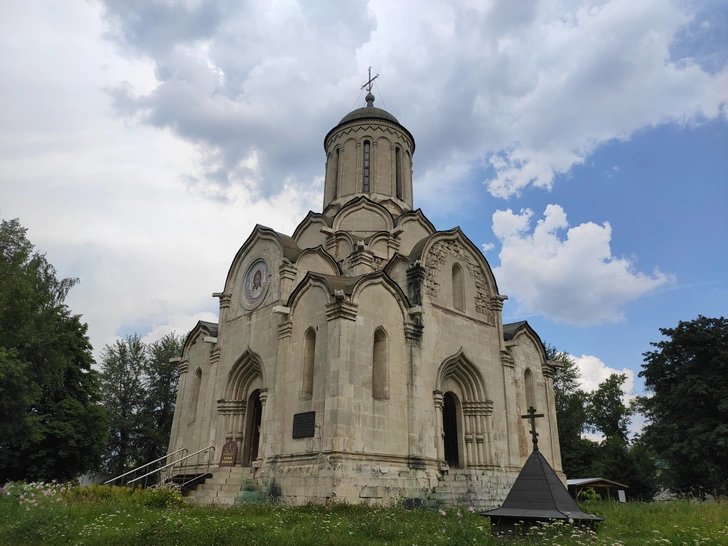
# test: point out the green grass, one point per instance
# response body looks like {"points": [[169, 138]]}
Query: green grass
{"points": [[105, 516]]}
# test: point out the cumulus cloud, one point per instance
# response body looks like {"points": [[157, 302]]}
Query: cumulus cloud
{"points": [[524, 90], [254, 88], [593, 372], [576, 279]]}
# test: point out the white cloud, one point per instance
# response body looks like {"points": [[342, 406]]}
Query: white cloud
{"points": [[593, 372], [574, 280], [141, 141], [535, 87], [486, 247], [527, 88], [178, 323]]}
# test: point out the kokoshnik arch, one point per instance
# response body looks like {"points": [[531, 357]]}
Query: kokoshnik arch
{"points": [[378, 336]]}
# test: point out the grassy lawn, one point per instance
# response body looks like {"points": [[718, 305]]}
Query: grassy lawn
{"points": [[48, 515]]}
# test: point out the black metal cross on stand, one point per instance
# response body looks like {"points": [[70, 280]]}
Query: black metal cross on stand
{"points": [[532, 415]]}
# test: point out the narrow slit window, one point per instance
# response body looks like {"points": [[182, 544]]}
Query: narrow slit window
{"points": [[336, 172], [458, 290], [528, 383], [195, 396], [380, 365], [366, 166], [398, 172], [309, 357]]}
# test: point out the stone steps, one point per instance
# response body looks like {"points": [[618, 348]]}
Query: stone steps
{"points": [[224, 487]]}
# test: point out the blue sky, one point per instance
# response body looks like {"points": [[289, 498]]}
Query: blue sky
{"points": [[582, 143]]}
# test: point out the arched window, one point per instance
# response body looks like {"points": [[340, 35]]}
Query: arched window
{"points": [[365, 167], [195, 396], [530, 393], [309, 357], [458, 290], [398, 172], [380, 365], [336, 172]]}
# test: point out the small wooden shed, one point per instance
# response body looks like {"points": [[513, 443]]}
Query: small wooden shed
{"points": [[600, 485]]}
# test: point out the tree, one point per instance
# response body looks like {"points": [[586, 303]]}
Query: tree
{"points": [[160, 385], [122, 364], [51, 422], [688, 410], [577, 453], [139, 385], [605, 409]]}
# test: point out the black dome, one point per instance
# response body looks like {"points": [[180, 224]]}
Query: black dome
{"points": [[368, 112]]}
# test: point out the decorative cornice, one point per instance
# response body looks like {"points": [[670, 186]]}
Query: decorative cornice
{"points": [[413, 330], [507, 359], [548, 370], [437, 397], [341, 309], [496, 302], [225, 299], [478, 408], [285, 328], [287, 270], [263, 396], [231, 407], [183, 366], [215, 356]]}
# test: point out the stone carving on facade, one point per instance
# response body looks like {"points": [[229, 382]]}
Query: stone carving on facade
{"points": [[437, 256]]}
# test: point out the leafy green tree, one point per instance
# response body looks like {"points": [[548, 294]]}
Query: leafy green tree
{"points": [[52, 423], [160, 386], [605, 410], [578, 455], [139, 385], [122, 365], [688, 410]]}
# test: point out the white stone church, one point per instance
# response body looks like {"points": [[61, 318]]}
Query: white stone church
{"points": [[363, 358]]}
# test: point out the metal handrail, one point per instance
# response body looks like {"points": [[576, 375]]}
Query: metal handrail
{"points": [[209, 449], [134, 470]]}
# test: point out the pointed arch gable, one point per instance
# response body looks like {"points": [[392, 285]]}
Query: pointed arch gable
{"points": [[515, 330], [466, 374], [383, 220], [309, 281], [379, 243], [397, 260], [335, 268], [310, 230], [419, 217], [381, 278], [421, 251], [202, 328], [287, 245], [245, 370]]}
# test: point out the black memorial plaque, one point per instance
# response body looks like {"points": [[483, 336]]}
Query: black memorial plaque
{"points": [[304, 425]]}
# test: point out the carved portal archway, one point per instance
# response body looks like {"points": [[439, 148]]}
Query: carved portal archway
{"points": [[241, 410], [464, 415]]}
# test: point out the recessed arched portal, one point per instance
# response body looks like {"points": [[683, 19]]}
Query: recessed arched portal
{"points": [[252, 428], [450, 426]]}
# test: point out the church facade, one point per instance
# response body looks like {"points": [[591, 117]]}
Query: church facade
{"points": [[363, 358]]}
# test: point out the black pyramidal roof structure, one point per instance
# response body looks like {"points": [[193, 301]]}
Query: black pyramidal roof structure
{"points": [[537, 496]]}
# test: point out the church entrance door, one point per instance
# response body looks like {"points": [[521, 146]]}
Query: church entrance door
{"points": [[450, 425], [252, 429]]}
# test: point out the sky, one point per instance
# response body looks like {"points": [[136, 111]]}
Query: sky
{"points": [[581, 144]]}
